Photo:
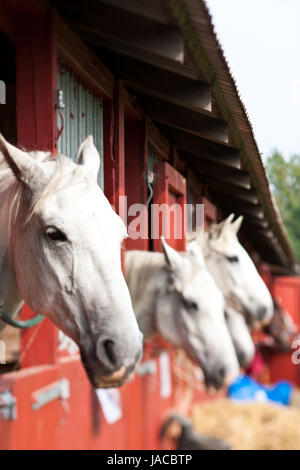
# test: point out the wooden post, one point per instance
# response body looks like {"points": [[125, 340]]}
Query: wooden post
{"points": [[169, 189], [36, 65], [108, 148], [135, 169]]}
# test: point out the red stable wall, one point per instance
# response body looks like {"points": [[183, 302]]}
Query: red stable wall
{"points": [[78, 423], [280, 364]]}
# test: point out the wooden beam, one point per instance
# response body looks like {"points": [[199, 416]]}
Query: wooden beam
{"points": [[172, 115], [261, 223], [239, 207], [151, 9], [250, 226], [235, 176], [165, 39], [98, 39], [202, 147], [82, 61], [153, 81], [223, 187]]}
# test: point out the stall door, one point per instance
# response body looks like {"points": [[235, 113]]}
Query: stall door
{"points": [[158, 388]]}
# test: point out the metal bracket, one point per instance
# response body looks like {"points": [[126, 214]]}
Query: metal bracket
{"points": [[149, 177], [60, 100], [149, 181], [45, 395], [147, 368], [8, 406]]}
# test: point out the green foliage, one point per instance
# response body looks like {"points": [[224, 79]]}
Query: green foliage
{"points": [[285, 183]]}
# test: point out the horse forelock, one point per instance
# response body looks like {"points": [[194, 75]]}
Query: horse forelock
{"points": [[60, 180], [21, 209]]}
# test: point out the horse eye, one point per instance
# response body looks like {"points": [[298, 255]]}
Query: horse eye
{"points": [[56, 235], [191, 305], [232, 259], [225, 315]]}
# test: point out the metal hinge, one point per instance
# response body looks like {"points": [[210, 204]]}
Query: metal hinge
{"points": [[45, 395], [8, 406]]}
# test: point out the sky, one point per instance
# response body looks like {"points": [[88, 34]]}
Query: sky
{"points": [[261, 42]]}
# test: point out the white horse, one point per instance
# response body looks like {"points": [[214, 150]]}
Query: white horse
{"points": [[60, 247], [235, 272], [173, 294], [241, 337], [236, 324]]}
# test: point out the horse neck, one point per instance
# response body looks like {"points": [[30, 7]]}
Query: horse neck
{"points": [[8, 285], [142, 275]]}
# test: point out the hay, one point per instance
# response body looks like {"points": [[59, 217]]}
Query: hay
{"points": [[256, 426]]}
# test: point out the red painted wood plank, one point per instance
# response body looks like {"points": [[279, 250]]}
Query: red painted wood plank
{"points": [[135, 171], [170, 188], [36, 68], [36, 64], [119, 148], [108, 149]]}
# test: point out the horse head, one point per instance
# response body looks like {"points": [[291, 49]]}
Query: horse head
{"points": [[190, 314], [235, 272], [64, 245], [281, 327]]}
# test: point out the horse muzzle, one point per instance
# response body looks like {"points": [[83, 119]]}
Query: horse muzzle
{"points": [[108, 375], [116, 379]]}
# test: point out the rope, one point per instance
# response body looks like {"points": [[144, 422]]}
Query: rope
{"points": [[20, 324]]}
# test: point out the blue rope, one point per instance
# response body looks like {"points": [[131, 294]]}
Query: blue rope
{"points": [[20, 324]]}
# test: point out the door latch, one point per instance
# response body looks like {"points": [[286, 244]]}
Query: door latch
{"points": [[8, 406], [57, 390], [147, 368]]}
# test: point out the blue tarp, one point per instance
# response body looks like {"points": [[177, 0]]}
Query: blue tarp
{"points": [[244, 388]]}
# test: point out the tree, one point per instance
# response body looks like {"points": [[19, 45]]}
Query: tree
{"points": [[284, 176]]}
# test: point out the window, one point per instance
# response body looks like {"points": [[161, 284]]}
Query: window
{"points": [[83, 115]]}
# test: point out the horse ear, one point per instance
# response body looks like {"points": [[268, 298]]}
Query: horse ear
{"points": [[224, 225], [190, 236], [173, 258], [236, 225], [88, 156], [228, 220], [23, 166], [194, 248]]}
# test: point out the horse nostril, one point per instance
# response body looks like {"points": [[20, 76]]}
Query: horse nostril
{"points": [[109, 346], [262, 313], [222, 373], [242, 358]]}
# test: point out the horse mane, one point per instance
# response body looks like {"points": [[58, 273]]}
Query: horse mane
{"points": [[35, 154], [143, 266], [140, 267]]}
